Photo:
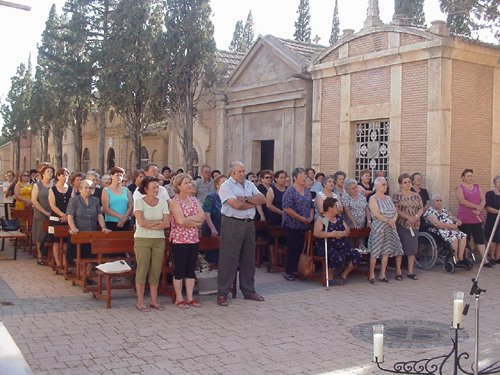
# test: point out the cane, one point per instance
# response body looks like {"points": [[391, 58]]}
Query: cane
{"points": [[325, 222]]}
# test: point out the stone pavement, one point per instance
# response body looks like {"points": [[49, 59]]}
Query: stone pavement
{"points": [[300, 329]]}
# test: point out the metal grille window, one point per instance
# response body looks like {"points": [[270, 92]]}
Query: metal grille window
{"points": [[372, 147]]}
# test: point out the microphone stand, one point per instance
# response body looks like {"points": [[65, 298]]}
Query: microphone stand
{"points": [[476, 292]]}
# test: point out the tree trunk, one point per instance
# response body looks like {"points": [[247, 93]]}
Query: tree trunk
{"points": [[58, 133], [188, 126], [45, 144], [79, 118], [101, 135], [17, 153], [137, 145]]}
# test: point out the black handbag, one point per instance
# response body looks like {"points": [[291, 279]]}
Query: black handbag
{"points": [[10, 225]]}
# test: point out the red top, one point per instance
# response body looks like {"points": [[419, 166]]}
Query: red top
{"points": [[180, 234]]}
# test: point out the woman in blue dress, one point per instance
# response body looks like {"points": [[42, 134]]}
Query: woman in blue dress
{"points": [[340, 251]]}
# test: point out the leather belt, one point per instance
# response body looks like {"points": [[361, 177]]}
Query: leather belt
{"points": [[237, 218]]}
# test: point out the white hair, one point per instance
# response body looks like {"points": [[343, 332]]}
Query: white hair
{"points": [[379, 180]]}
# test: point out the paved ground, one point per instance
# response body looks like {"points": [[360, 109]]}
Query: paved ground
{"points": [[299, 329]]}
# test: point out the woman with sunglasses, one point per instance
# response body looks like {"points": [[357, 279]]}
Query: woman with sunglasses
{"points": [[22, 192]]}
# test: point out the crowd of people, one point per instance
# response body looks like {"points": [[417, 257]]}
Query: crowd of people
{"points": [[334, 206]]}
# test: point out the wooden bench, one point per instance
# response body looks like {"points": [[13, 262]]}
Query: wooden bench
{"points": [[25, 218], [279, 251], [261, 243], [107, 250], [80, 238]]}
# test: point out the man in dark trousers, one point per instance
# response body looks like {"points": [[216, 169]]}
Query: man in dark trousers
{"points": [[237, 244]]}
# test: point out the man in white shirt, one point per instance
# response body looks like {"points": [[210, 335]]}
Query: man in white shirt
{"points": [[154, 171]]}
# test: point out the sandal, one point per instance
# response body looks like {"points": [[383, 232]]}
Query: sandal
{"points": [[384, 280], [371, 281], [40, 262], [289, 277], [399, 277], [182, 304], [142, 308], [194, 303], [412, 276], [156, 306]]}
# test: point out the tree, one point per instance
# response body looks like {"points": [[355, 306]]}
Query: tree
{"points": [[334, 36], [248, 33], [128, 72], [76, 70], [187, 55], [54, 105], [237, 41], [16, 112], [243, 35], [468, 16], [413, 10], [302, 27]]}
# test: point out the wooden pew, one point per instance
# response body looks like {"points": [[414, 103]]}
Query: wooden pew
{"points": [[279, 251], [108, 250], [261, 243], [25, 218], [80, 238]]}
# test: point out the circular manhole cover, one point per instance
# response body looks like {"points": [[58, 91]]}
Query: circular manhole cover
{"points": [[410, 333]]}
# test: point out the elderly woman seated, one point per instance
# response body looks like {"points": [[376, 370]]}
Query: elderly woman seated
{"points": [[442, 223], [339, 246]]}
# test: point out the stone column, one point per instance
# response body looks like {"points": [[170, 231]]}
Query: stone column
{"points": [[395, 128], [439, 127], [220, 163], [495, 146], [346, 142], [316, 124]]}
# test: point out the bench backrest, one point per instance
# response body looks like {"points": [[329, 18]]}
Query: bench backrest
{"points": [[112, 246], [88, 237], [209, 243]]}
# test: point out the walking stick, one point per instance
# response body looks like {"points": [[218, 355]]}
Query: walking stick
{"points": [[325, 222]]}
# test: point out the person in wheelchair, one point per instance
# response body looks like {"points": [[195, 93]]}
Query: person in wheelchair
{"points": [[439, 221]]}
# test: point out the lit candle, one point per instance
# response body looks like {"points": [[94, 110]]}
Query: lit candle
{"points": [[458, 307], [378, 343]]}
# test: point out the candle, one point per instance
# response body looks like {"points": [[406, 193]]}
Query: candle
{"points": [[458, 307], [378, 343]]}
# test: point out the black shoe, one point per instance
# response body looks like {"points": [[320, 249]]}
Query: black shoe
{"points": [[91, 282], [489, 264], [289, 277], [222, 301]]}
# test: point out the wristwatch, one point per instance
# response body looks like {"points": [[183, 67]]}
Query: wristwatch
{"points": [[246, 199]]}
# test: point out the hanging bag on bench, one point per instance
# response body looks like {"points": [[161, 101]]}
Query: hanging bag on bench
{"points": [[10, 225]]}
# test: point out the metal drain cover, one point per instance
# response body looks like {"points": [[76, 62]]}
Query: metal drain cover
{"points": [[410, 333], [6, 303]]}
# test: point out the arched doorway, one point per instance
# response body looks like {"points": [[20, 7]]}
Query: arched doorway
{"points": [[86, 160], [111, 158]]}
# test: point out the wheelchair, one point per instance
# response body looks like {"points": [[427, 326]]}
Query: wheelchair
{"points": [[433, 249]]}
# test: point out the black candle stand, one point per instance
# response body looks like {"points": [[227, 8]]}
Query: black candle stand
{"points": [[436, 365]]}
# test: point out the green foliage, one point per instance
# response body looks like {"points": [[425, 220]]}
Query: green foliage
{"points": [[127, 73], [335, 34], [237, 41], [243, 35], [16, 110], [413, 10], [185, 55], [248, 33], [302, 25], [467, 16]]}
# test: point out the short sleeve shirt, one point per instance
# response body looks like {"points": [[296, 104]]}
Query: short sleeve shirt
{"points": [[150, 213], [301, 204], [231, 189], [84, 216]]}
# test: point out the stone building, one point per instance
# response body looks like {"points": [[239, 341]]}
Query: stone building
{"points": [[404, 99], [268, 104]]}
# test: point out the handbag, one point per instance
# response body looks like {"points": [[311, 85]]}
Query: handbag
{"points": [[306, 264], [10, 225]]}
